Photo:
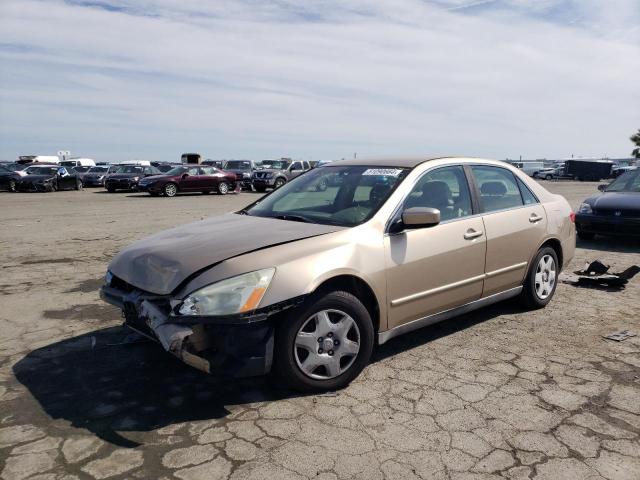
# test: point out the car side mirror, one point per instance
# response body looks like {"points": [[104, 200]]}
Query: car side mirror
{"points": [[420, 217], [602, 187], [185, 175]]}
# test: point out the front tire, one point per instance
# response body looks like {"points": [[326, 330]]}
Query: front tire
{"points": [[111, 190], [279, 182], [79, 185], [542, 279], [12, 186], [260, 189], [170, 190], [324, 344], [549, 177]]}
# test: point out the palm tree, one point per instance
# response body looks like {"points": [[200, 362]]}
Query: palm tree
{"points": [[635, 138]]}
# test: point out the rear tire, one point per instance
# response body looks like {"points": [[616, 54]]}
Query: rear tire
{"points": [[223, 188], [348, 326], [549, 177], [586, 235], [12, 186], [542, 279], [111, 189]]}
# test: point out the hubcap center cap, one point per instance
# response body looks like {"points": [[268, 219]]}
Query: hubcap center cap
{"points": [[327, 344]]}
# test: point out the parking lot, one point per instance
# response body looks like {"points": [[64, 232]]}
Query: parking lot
{"points": [[497, 393]]}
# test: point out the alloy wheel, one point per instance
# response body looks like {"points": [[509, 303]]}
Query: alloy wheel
{"points": [[170, 190], [545, 278], [327, 344]]}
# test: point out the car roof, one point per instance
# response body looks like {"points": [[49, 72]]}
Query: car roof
{"points": [[397, 161]]}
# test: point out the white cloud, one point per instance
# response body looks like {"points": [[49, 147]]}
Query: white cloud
{"points": [[255, 79]]}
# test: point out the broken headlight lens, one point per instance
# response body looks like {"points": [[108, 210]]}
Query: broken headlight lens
{"points": [[585, 208], [235, 295]]}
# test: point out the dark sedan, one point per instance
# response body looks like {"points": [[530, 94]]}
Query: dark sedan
{"points": [[49, 178], [186, 178], [126, 177], [614, 211], [243, 169], [95, 176]]}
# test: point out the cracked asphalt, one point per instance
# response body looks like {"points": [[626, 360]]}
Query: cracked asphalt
{"points": [[497, 393]]}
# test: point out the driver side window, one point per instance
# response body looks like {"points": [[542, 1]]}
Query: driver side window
{"points": [[445, 189], [296, 166]]}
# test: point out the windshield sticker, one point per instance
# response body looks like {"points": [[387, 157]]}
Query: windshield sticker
{"points": [[387, 172]]}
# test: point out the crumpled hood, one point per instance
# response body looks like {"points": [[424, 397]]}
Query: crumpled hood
{"points": [[614, 200], [160, 263]]}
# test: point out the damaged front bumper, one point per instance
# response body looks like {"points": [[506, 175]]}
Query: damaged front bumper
{"points": [[237, 346]]}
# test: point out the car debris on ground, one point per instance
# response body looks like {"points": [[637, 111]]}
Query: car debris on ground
{"points": [[596, 274], [619, 336]]}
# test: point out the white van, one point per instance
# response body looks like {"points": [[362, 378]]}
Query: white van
{"points": [[78, 162], [527, 167], [24, 159]]}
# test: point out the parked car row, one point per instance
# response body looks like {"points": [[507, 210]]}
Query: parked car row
{"points": [[167, 179]]}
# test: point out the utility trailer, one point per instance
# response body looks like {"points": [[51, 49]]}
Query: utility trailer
{"points": [[587, 170]]}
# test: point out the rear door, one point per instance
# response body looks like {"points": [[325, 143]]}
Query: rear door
{"points": [[430, 270], [515, 224]]}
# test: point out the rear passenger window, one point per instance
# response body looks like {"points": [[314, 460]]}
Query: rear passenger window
{"points": [[528, 197], [498, 188], [446, 189]]}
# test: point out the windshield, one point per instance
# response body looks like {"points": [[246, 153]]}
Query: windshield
{"points": [[238, 165], [627, 182], [81, 169], [42, 170], [345, 196], [176, 171], [128, 169], [98, 170], [274, 164]]}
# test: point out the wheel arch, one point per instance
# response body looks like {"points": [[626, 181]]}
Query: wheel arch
{"points": [[557, 247], [359, 288]]}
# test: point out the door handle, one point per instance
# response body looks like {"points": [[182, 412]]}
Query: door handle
{"points": [[534, 218], [471, 234]]}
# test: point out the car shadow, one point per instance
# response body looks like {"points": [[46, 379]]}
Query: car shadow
{"points": [[116, 388], [610, 244]]}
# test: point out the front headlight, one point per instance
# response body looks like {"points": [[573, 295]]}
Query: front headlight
{"points": [[135, 179], [235, 295], [269, 175], [585, 208]]}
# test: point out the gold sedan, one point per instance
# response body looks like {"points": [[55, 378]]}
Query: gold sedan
{"points": [[305, 282]]}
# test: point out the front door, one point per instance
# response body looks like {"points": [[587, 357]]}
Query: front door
{"points": [[430, 270], [515, 225], [193, 181]]}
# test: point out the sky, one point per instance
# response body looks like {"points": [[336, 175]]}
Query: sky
{"points": [[121, 79]]}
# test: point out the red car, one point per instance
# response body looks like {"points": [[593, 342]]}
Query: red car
{"points": [[189, 178]]}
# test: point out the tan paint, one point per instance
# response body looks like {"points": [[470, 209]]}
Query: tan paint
{"points": [[413, 274]]}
